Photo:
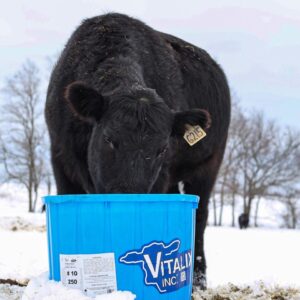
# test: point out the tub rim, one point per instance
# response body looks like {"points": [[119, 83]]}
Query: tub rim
{"points": [[179, 198]]}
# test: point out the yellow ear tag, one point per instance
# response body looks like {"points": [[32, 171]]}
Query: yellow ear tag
{"points": [[194, 134]]}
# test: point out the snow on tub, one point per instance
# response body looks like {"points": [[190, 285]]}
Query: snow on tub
{"points": [[134, 242]]}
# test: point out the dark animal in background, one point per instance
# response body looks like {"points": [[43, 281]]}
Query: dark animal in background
{"points": [[244, 220], [118, 102]]}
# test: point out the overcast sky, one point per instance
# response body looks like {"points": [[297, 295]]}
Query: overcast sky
{"points": [[256, 42]]}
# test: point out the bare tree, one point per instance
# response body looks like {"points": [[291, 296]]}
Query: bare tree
{"points": [[269, 158], [256, 211], [228, 184], [289, 196], [22, 140], [214, 203], [259, 157]]}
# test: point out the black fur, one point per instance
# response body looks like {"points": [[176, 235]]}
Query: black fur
{"points": [[118, 103]]}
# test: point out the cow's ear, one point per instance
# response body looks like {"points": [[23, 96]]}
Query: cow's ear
{"points": [[85, 102], [191, 117]]}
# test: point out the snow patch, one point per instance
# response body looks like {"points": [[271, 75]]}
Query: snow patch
{"points": [[259, 291], [40, 288], [14, 213], [23, 224], [23, 254], [247, 256], [11, 292]]}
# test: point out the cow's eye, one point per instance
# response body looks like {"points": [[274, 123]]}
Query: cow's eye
{"points": [[108, 141], [162, 151]]}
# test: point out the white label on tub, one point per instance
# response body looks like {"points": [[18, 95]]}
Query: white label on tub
{"points": [[94, 274]]}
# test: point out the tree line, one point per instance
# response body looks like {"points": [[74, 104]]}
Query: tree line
{"points": [[24, 153], [262, 159]]}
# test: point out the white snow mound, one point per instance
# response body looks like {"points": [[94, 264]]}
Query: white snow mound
{"points": [[40, 288]]}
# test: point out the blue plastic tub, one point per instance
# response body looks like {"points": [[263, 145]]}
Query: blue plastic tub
{"points": [[139, 243]]}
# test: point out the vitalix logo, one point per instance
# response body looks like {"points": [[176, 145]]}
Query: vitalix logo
{"points": [[163, 266]]}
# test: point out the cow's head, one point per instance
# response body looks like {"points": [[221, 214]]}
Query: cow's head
{"points": [[131, 135]]}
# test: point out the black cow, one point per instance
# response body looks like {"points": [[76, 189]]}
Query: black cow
{"points": [[244, 220], [118, 103]]}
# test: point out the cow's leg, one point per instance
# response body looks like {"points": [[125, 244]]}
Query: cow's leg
{"points": [[63, 184], [198, 187], [201, 184]]}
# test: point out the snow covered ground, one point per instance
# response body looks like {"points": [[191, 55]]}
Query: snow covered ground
{"points": [[234, 256], [260, 263], [14, 207], [246, 256], [41, 289]]}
